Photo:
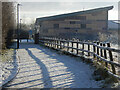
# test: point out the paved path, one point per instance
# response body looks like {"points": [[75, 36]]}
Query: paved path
{"points": [[42, 68]]}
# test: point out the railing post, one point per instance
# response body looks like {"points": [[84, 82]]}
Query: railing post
{"points": [[51, 42], [88, 49], [46, 42], [77, 46], [27, 39], [60, 43], [83, 48], [72, 45], [37, 38], [68, 45], [94, 50], [111, 59], [105, 55], [101, 51], [42, 40], [63, 43], [57, 43], [98, 50]]}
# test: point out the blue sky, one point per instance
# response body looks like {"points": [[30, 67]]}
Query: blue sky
{"points": [[31, 10]]}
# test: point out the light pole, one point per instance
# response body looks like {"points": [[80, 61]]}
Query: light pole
{"points": [[18, 25], [20, 29]]}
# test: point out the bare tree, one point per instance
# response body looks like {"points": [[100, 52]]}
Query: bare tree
{"points": [[8, 22]]}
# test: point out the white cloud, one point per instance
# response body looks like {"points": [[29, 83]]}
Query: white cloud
{"points": [[113, 15], [68, 0]]}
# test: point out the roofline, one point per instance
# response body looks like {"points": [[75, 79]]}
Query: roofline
{"points": [[74, 13]]}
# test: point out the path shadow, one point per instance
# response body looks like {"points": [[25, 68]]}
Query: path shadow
{"points": [[67, 61], [68, 82], [80, 72], [71, 68], [46, 76]]}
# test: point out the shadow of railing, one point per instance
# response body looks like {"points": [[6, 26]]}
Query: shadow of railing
{"points": [[59, 71], [45, 72]]}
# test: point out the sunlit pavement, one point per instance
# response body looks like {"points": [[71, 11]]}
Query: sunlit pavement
{"points": [[42, 68]]}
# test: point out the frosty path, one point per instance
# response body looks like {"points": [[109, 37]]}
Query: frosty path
{"points": [[42, 68]]}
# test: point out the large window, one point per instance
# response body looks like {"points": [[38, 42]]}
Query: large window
{"points": [[56, 26], [83, 26]]}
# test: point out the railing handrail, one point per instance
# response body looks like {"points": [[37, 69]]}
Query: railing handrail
{"points": [[97, 51], [111, 62], [89, 43]]}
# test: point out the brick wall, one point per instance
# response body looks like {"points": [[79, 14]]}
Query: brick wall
{"points": [[96, 21]]}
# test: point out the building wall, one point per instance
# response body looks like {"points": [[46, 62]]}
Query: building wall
{"points": [[95, 22]]}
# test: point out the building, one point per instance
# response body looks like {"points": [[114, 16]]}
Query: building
{"points": [[74, 24], [113, 24]]}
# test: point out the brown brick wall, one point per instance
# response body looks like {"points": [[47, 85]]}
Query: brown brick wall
{"points": [[94, 21]]}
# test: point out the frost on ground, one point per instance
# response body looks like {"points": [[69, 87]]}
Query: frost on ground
{"points": [[42, 68], [8, 66]]}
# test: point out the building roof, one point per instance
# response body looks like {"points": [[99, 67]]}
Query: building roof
{"points": [[74, 13]]}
